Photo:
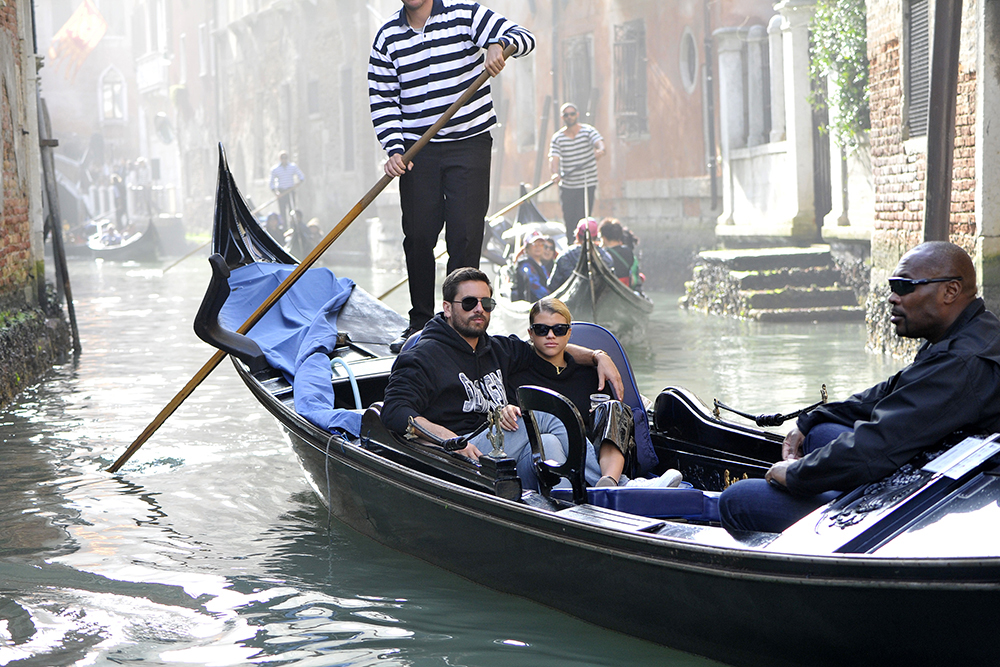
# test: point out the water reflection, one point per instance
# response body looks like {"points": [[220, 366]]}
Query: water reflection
{"points": [[212, 549]]}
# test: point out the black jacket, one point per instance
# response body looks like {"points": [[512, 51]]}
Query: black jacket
{"points": [[951, 385], [441, 378]]}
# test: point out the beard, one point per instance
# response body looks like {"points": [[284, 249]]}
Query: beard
{"points": [[469, 328]]}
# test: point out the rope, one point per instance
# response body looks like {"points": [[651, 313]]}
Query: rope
{"points": [[764, 420]]}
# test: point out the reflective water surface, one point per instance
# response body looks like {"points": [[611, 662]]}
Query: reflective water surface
{"points": [[210, 549]]}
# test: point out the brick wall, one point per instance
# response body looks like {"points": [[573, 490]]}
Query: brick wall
{"points": [[899, 164], [15, 224]]}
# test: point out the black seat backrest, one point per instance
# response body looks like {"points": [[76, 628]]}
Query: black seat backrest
{"points": [[208, 328], [597, 337], [539, 399]]}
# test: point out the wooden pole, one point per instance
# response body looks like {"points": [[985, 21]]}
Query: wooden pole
{"points": [[55, 216], [310, 259], [941, 119]]}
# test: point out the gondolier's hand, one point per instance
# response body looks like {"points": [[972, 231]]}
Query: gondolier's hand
{"points": [[509, 416], [776, 474], [395, 166], [791, 448], [494, 59], [608, 372]]}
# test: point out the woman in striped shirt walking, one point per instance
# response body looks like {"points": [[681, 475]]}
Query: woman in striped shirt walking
{"points": [[422, 60], [573, 156]]}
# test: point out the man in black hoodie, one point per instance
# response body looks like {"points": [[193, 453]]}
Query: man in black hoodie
{"points": [[455, 374]]}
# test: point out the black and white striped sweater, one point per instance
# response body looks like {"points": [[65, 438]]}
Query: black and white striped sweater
{"points": [[414, 76]]}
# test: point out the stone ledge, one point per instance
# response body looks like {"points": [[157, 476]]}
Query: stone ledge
{"points": [[30, 344], [846, 314]]}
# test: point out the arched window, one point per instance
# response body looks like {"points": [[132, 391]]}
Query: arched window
{"points": [[112, 91]]}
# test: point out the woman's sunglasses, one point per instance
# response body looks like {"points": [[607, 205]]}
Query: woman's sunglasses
{"points": [[544, 329], [469, 303], [904, 286]]}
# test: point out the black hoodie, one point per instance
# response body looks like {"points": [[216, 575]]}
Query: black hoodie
{"points": [[442, 379]]}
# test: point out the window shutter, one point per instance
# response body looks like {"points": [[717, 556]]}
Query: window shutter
{"points": [[918, 89]]}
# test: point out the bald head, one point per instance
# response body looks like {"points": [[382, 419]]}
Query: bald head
{"points": [[940, 259], [941, 284]]}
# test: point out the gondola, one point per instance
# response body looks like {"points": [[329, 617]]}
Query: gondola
{"points": [[915, 581], [140, 247], [592, 293]]}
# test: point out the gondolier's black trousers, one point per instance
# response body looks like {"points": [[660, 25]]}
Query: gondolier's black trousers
{"points": [[574, 208], [448, 185]]}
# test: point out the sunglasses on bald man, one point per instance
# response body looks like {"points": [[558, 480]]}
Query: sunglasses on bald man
{"points": [[904, 286]]}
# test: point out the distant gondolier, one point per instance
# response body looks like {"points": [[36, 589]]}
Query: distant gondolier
{"points": [[421, 62], [284, 177], [573, 155]]}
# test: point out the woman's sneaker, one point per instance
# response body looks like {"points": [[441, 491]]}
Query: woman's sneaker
{"points": [[670, 479]]}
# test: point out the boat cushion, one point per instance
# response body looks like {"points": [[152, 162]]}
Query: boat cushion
{"points": [[684, 502]]}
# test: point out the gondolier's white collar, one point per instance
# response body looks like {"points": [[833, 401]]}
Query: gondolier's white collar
{"points": [[438, 8]]}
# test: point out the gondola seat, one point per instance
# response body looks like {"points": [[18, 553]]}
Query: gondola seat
{"points": [[538, 399], [596, 337], [684, 503], [411, 341], [208, 328]]}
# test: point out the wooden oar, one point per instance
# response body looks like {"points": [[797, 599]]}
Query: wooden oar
{"points": [[514, 204], [302, 267]]}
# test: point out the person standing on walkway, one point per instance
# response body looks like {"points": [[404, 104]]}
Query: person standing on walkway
{"points": [[573, 154], [283, 180], [422, 61]]}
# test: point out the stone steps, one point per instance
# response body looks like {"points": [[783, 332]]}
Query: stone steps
{"points": [[773, 285]]}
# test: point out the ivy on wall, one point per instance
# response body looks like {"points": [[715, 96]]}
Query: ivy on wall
{"points": [[839, 53]]}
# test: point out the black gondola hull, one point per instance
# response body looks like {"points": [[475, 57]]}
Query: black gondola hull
{"points": [[740, 606]]}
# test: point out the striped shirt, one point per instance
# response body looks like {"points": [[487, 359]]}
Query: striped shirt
{"points": [[576, 153], [283, 176], [413, 77]]}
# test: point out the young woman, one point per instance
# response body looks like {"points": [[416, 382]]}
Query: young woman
{"points": [[612, 436]]}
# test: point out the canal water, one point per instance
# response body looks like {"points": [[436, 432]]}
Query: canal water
{"points": [[210, 549]]}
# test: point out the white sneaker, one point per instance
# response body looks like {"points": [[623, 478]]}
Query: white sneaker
{"points": [[670, 479]]}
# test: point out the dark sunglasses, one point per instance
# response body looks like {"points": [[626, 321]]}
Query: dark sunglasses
{"points": [[569, 114], [560, 330], [904, 286], [469, 303]]}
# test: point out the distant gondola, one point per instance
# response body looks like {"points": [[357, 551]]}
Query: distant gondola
{"points": [[592, 292], [140, 247], [908, 577]]}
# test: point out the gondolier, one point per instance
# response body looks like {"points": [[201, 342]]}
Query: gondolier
{"points": [[421, 62], [573, 154], [285, 176]]}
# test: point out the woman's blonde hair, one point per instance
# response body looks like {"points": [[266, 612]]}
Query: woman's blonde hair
{"points": [[552, 305]]}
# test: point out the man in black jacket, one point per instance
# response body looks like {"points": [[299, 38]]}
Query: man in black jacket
{"points": [[454, 375], [953, 384]]}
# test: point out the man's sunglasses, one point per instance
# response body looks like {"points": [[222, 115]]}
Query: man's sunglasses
{"points": [[469, 303], [569, 114], [904, 286], [560, 330]]}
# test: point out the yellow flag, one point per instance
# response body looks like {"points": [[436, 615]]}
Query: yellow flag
{"points": [[77, 38]]}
